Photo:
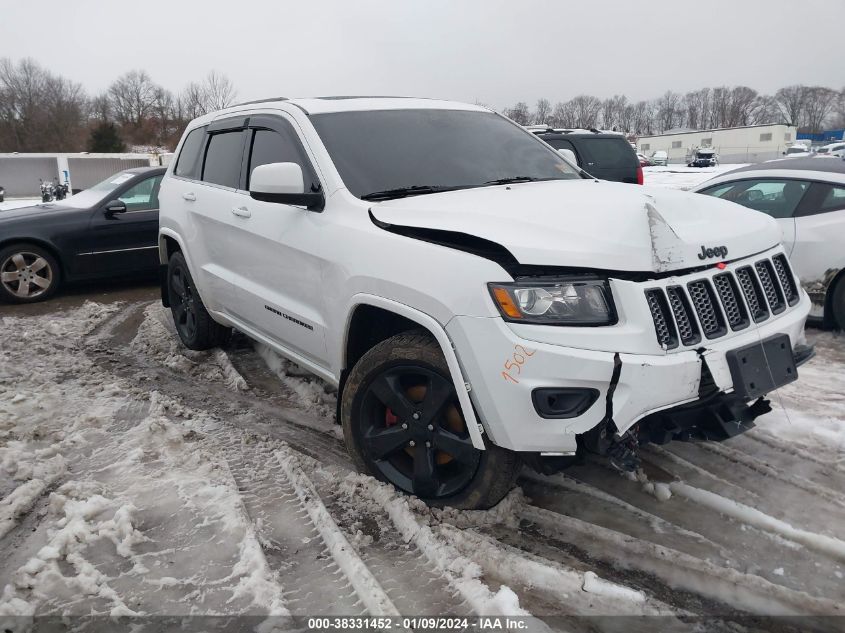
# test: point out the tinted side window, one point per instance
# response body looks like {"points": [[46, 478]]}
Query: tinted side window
{"points": [[610, 153], [188, 164], [223, 159], [777, 198], [270, 146], [823, 197]]}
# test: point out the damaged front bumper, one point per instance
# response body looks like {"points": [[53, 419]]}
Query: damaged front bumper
{"points": [[504, 370]]}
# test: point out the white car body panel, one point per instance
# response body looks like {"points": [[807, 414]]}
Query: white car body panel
{"points": [[814, 243], [252, 269]]}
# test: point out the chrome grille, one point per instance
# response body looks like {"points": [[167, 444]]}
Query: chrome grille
{"points": [[687, 327], [663, 325], [730, 299], [709, 315], [774, 294], [787, 281], [735, 311]]}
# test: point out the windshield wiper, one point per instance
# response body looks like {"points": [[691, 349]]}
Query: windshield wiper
{"points": [[513, 179], [404, 192]]}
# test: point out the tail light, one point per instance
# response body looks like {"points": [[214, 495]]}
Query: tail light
{"points": [[639, 174]]}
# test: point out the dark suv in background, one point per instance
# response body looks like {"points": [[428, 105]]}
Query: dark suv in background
{"points": [[605, 155]]}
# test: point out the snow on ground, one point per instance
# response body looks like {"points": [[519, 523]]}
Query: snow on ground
{"points": [[137, 477], [681, 176], [15, 203]]}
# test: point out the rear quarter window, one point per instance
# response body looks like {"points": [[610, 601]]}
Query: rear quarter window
{"points": [[188, 162], [609, 153]]}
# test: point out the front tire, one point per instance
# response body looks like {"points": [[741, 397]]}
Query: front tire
{"points": [[28, 273], [194, 324], [403, 424]]}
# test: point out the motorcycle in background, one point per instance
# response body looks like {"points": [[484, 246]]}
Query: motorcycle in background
{"points": [[47, 191], [60, 190]]}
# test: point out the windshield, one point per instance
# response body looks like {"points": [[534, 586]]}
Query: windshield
{"points": [[430, 150], [99, 192]]}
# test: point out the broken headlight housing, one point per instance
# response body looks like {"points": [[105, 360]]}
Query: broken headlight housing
{"points": [[555, 301]]}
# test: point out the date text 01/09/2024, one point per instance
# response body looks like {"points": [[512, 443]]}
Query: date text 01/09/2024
{"points": [[359, 623]]}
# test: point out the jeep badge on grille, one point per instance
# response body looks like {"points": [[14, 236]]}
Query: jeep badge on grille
{"points": [[717, 251]]}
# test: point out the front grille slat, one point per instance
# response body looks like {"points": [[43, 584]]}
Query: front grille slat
{"points": [[787, 281], [732, 303], [753, 294], [687, 326], [709, 315], [771, 288], [664, 326]]}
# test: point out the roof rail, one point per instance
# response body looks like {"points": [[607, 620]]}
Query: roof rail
{"points": [[235, 105]]}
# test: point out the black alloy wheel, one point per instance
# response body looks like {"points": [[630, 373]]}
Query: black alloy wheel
{"points": [[413, 434]]}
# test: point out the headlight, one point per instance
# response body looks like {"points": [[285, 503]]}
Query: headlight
{"points": [[555, 301]]}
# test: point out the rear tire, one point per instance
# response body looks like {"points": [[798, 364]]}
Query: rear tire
{"points": [[28, 273], [404, 443], [196, 328], [837, 304]]}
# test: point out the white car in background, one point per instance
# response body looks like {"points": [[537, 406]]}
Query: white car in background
{"points": [[832, 149], [807, 198], [659, 157]]}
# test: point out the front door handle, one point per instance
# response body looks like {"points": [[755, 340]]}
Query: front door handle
{"points": [[241, 212], [190, 196]]}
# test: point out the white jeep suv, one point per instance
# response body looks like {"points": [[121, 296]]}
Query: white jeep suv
{"points": [[478, 301]]}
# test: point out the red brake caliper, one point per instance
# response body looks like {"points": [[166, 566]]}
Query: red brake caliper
{"points": [[390, 418]]}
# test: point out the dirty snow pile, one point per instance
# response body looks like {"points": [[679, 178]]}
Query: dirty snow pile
{"points": [[123, 510]]}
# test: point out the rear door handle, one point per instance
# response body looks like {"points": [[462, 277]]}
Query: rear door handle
{"points": [[241, 212], [189, 196]]}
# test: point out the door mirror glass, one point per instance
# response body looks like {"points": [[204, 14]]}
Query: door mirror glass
{"points": [[283, 183], [115, 206], [569, 155]]}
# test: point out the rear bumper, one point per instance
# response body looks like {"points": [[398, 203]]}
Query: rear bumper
{"points": [[504, 369]]}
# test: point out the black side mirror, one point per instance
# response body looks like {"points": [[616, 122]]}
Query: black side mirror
{"points": [[115, 206]]}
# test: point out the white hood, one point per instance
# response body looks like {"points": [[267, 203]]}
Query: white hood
{"points": [[591, 224]]}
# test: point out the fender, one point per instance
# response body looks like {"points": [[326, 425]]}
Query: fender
{"points": [[442, 339], [162, 258]]}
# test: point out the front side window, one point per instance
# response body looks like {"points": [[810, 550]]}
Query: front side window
{"points": [[143, 196], [379, 151], [189, 162], [777, 198], [101, 192], [223, 159], [271, 146]]}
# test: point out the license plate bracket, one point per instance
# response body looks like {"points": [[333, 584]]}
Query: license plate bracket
{"points": [[759, 368]]}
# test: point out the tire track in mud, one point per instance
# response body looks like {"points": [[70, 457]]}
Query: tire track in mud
{"points": [[277, 415], [316, 564]]}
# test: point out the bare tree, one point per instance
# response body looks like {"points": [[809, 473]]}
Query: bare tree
{"points": [[669, 113], [519, 113], [541, 114], [612, 111], [585, 110], [133, 98], [818, 104], [219, 91], [790, 101], [39, 111]]}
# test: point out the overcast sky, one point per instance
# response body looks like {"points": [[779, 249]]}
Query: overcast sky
{"points": [[491, 51]]}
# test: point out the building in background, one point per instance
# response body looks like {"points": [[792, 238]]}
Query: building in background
{"points": [[748, 144], [21, 174]]}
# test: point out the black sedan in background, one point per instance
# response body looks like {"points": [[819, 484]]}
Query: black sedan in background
{"points": [[109, 230]]}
